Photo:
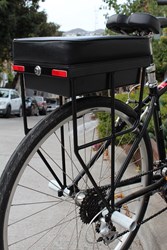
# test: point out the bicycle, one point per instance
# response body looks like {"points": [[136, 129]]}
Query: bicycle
{"points": [[59, 190]]}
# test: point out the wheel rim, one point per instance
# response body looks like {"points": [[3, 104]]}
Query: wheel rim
{"points": [[40, 202]]}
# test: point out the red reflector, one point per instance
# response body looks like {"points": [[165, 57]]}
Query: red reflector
{"points": [[58, 72], [18, 68]]}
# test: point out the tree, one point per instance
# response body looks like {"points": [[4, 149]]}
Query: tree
{"points": [[22, 18], [131, 6]]}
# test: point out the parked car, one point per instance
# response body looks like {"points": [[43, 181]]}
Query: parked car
{"points": [[41, 104], [10, 102], [52, 104], [31, 106]]}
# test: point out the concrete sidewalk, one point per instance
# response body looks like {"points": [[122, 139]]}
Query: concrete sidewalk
{"points": [[153, 234]]}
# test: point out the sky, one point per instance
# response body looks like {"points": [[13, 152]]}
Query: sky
{"points": [[71, 14]]}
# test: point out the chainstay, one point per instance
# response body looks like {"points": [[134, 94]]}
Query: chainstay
{"points": [[144, 221], [154, 215], [143, 174], [103, 188], [134, 178]]}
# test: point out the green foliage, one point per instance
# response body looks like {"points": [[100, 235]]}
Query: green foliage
{"points": [[134, 95], [104, 127], [163, 105], [160, 56], [22, 18], [131, 6], [10, 78]]}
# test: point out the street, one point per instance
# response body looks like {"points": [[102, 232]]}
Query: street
{"points": [[11, 133]]}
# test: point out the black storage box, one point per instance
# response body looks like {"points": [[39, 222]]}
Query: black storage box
{"points": [[52, 64]]}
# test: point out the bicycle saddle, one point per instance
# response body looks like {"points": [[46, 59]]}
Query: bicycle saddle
{"points": [[163, 21], [119, 23], [137, 22]]}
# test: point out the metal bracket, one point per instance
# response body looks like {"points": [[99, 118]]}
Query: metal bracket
{"points": [[151, 74]]}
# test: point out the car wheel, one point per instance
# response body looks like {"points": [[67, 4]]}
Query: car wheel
{"points": [[20, 114], [37, 113], [32, 110], [42, 112], [8, 111]]}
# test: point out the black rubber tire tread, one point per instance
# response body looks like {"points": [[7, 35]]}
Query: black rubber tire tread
{"points": [[21, 153], [8, 111], [20, 114]]}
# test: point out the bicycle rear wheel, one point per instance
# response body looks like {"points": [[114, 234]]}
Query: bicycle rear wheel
{"points": [[34, 214]]}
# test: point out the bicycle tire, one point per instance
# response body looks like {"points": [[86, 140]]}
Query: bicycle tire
{"points": [[20, 182]]}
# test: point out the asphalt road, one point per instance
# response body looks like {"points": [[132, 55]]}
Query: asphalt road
{"points": [[152, 236], [11, 133]]}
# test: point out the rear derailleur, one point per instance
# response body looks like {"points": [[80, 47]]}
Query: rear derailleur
{"points": [[92, 211]]}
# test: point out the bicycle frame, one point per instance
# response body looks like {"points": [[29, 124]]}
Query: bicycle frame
{"points": [[155, 94], [154, 111]]}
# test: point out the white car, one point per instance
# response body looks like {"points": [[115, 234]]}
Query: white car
{"points": [[10, 102]]}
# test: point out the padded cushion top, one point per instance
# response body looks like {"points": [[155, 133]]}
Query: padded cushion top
{"points": [[77, 50], [136, 22]]}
